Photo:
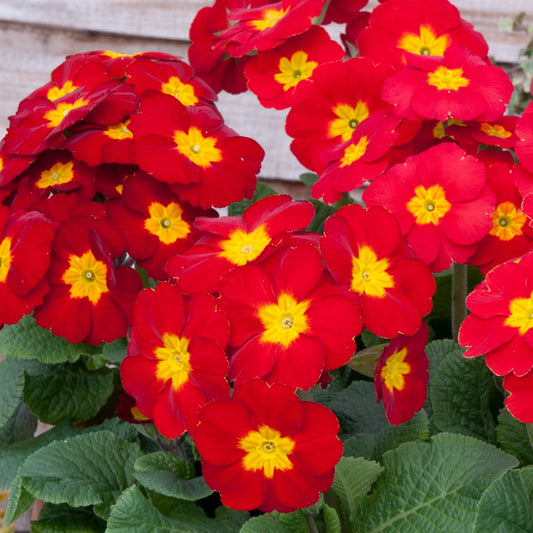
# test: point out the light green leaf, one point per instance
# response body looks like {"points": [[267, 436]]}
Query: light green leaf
{"points": [[27, 340], [353, 479], [159, 461], [432, 486], [68, 391], [513, 438], [331, 520], [19, 500], [11, 387], [89, 469], [504, 506], [464, 397], [133, 513], [12, 456], [65, 519]]}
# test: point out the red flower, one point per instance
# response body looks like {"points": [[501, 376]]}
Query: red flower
{"points": [[362, 158], [89, 300], [24, 258], [520, 400], [266, 449], [288, 321], [510, 235], [176, 360], [207, 163], [401, 376], [459, 85], [327, 110], [441, 201], [155, 223], [262, 27], [524, 132], [274, 74], [500, 323], [364, 249], [423, 27], [127, 410], [235, 241]]}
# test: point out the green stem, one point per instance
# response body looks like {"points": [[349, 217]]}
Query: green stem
{"points": [[311, 524], [459, 292]]}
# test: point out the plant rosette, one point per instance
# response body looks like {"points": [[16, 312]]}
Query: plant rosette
{"points": [[211, 355]]}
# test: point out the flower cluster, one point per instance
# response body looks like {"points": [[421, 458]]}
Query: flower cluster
{"points": [[110, 179]]}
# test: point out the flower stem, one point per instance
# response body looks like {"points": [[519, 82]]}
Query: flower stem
{"points": [[311, 524], [459, 292]]}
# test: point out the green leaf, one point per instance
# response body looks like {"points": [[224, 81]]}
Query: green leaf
{"points": [[432, 486], [11, 387], [331, 520], [295, 522], [262, 190], [65, 519], [12, 456], [20, 426], [19, 501], [513, 438], [89, 469], [504, 506], [171, 476], [356, 408], [308, 178], [68, 391], [112, 353], [133, 513], [27, 340], [261, 524], [464, 396], [322, 212], [353, 479]]}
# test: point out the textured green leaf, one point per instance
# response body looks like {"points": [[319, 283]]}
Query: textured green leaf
{"points": [[68, 391], [65, 519], [88, 469], [356, 408], [27, 340], [12, 456], [513, 438], [19, 500], [527, 478], [504, 506], [464, 397], [20, 426], [262, 190], [11, 387], [353, 479], [133, 513], [264, 523], [165, 461], [112, 353], [331, 520], [432, 486]]}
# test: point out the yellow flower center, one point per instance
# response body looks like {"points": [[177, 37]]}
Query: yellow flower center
{"points": [[182, 91], [241, 247], [57, 92], [86, 277], [348, 119], [284, 320], [394, 370], [266, 450], [173, 359], [521, 314], [507, 222], [446, 79], [56, 175], [426, 43], [166, 222], [137, 415], [119, 131], [495, 130], [428, 205], [354, 152], [56, 116], [270, 19], [5, 258], [292, 71], [369, 274], [202, 151]]}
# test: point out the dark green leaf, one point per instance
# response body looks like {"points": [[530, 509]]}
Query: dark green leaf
{"points": [[513, 438], [19, 501], [20, 426], [11, 387], [262, 190], [308, 178], [65, 519]]}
